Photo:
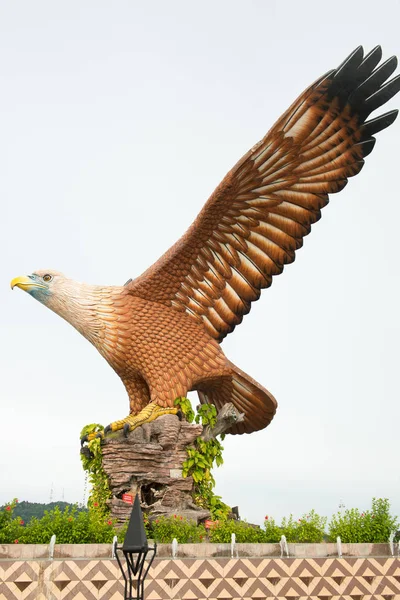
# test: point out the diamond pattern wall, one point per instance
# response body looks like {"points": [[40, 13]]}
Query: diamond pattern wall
{"points": [[207, 579]]}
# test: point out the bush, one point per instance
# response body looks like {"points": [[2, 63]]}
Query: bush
{"points": [[273, 533], [165, 529], [92, 462], [201, 458], [245, 533], [373, 526], [77, 526], [309, 529], [10, 528], [70, 526]]}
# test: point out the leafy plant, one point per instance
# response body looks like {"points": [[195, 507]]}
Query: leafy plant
{"points": [[245, 533], [92, 463], [71, 526], [373, 526], [76, 526], [10, 527], [186, 408], [206, 415], [165, 529], [310, 528], [218, 509], [201, 459], [273, 532], [288, 527]]}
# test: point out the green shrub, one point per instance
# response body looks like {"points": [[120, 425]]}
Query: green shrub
{"points": [[70, 527], [273, 533], [288, 528], [245, 533], [11, 527], [310, 528], [92, 463], [165, 529], [77, 526], [201, 458], [371, 526]]}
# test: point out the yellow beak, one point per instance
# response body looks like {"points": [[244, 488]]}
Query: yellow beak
{"points": [[25, 283]]}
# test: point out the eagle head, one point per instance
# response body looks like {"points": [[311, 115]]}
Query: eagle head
{"points": [[78, 303], [40, 284]]}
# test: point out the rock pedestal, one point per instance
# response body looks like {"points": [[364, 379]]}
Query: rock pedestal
{"points": [[149, 462]]}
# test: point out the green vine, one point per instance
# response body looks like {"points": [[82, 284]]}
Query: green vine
{"points": [[91, 457], [201, 459]]}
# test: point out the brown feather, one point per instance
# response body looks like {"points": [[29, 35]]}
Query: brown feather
{"points": [[271, 197]]}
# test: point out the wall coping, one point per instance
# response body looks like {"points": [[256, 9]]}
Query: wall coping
{"points": [[204, 550]]}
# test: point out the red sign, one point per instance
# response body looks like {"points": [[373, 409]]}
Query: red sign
{"points": [[127, 498], [210, 524]]}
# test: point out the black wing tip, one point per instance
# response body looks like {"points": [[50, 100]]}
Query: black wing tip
{"points": [[367, 146], [392, 59], [377, 50], [382, 95], [364, 83], [379, 123], [350, 63], [358, 53]]}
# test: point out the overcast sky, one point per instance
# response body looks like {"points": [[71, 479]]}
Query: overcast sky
{"points": [[118, 121]]}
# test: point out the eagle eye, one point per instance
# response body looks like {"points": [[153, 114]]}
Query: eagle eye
{"points": [[47, 277]]}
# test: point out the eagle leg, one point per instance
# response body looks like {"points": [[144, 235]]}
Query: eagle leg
{"points": [[151, 412]]}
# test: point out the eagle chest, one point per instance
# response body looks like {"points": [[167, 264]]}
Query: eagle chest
{"points": [[146, 336]]}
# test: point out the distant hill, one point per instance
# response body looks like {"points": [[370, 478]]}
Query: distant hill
{"points": [[27, 510]]}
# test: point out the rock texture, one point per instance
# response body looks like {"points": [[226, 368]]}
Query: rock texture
{"points": [[149, 462]]}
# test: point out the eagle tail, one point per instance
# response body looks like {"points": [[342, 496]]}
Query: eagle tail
{"points": [[248, 397]]}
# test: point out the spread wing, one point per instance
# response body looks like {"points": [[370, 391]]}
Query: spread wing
{"points": [[257, 218]]}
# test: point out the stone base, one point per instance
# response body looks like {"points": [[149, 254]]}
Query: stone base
{"points": [[149, 462]]}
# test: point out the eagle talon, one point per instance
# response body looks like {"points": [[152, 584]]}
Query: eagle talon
{"points": [[151, 412], [91, 436], [148, 414]]}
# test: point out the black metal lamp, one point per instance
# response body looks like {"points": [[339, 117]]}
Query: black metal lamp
{"points": [[135, 549]]}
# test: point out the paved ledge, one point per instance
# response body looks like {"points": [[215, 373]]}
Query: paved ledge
{"points": [[90, 551]]}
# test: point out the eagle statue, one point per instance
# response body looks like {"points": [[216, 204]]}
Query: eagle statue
{"points": [[161, 332]]}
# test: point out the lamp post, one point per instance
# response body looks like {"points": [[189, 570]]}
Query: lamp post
{"points": [[135, 549]]}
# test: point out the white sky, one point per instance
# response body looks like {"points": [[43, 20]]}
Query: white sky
{"points": [[118, 119]]}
